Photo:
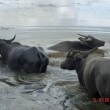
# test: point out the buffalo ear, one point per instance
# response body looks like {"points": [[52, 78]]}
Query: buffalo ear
{"points": [[87, 39], [83, 40], [77, 57]]}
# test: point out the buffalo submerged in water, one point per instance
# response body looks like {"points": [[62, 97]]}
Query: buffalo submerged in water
{"points": [[93, 71], [85, 43], [22, 57]]}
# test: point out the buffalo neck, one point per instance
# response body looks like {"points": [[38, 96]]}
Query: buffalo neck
{"points": [[79, 67]]}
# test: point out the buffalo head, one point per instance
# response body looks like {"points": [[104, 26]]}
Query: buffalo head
{"points": [[3, 44], [73, 57], [90, 41]]}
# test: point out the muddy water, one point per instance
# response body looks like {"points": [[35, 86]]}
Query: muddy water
{"points": [[45, 23]]}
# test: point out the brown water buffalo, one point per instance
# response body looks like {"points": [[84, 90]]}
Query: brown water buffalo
{"points": [[22, 57], [93, 71], [85, 43]]}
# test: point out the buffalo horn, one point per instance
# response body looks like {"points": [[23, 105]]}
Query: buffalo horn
{"points": [[85, 39], [87, 52], [69, 53], [82, 39], [82, 35], [9, 41], [84, 53], [73, 52]]}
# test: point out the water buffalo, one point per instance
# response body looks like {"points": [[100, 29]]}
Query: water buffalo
{"points": [[93, 71], [85, 43], [22, 57]]}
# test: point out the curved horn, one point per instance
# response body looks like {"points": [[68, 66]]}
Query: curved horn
{"points": [[85, 53], [81, 39], [9, 41], [73, 52], [69, 53], [82, 35], [85, 39]]}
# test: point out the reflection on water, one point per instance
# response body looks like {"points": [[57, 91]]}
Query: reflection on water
{"points": [[55, 13]]}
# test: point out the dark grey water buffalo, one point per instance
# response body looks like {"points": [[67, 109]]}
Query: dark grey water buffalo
{"points": [[93, 71], [22, 57], [85, 43]]}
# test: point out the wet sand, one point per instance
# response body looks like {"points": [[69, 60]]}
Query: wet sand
{"points": [[45, 23]]}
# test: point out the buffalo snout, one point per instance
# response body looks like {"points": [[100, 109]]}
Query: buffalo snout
{"points": [[67, 64], [102, 43], [63, 66]]}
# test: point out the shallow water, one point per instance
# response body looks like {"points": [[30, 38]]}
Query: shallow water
{"points": [[45, 23]]}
